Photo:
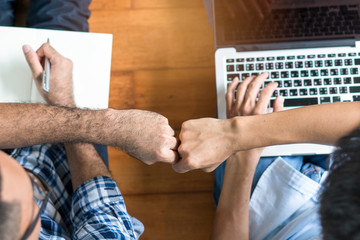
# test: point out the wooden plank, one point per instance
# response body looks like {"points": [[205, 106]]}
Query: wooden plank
{"points": [[178, 94], [102, 5], [167, 3], [173, 216], [157, 39], [134, 177], [121, 90]]}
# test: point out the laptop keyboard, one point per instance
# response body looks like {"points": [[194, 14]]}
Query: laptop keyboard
{"points": [[304, 79]]}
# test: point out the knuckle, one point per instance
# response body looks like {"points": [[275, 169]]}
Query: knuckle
{"points": [[245, 109], [184, 125], [161, 154], [181, 149], [257, 111]]}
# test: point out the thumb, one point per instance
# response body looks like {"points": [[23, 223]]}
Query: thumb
{"points": [[33, 60], [278, 104]]}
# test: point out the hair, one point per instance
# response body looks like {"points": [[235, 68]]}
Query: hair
{"points": [[9, 218], [340, 196]]}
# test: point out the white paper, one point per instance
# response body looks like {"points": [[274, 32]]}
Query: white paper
{"points": [[90, 53]]}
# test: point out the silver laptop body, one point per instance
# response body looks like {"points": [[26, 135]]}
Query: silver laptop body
{"points": [[310, 47]]}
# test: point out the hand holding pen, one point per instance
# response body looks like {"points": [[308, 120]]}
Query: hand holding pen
{"points": [[60, 80]]}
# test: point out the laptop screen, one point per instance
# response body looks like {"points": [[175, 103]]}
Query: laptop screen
{"points": [[250, 22]]}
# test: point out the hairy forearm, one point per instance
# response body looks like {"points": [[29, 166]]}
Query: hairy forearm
{"points": [[29, 124], [232, 214], [323, 124], [84, 163]]}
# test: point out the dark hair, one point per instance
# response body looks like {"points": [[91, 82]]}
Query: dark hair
{"points": [[9, 218], [340, 196]]}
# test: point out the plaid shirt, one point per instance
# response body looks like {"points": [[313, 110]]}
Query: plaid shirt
{"points": [[96, 210]]}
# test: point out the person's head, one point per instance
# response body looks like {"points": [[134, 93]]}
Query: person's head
{"points": [[340, 197], [18, 209]]}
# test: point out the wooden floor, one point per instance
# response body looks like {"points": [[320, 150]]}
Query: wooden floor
{"points": [[162, 61]]}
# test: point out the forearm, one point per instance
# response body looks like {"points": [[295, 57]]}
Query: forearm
{"points": [[84, 163], [323, 124], [30, 124], [232, 214]]}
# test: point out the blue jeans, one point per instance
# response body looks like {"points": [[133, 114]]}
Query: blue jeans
{"points": [[308, 164], [50, 14]]}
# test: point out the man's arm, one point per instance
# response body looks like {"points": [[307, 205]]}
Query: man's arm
{"points": [[84, 163], [207, 142], [144, 135]]}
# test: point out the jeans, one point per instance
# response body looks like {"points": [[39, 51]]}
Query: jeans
{"points": [[311, 166], [50, 14]]}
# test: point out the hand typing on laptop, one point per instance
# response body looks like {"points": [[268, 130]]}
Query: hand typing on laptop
{"points": [[265, 196], [207, 142], [197, 135]]}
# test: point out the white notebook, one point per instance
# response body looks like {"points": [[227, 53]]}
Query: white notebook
{"points": [[90, 53]]}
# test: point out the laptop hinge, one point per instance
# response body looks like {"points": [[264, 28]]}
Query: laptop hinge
{"points": [[295, 45]]}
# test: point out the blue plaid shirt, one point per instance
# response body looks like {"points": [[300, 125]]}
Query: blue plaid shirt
{"points": [[96, 210]]}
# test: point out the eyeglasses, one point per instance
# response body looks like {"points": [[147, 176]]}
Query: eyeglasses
{"points": [[41, 193]]}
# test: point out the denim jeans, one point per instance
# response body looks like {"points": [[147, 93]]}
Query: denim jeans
{"points": [[50, 14], [312, 166]]}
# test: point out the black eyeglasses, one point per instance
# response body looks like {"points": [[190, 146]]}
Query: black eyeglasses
{"points": [[41, 193]]}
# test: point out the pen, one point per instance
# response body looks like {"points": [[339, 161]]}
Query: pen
{"points": [[46, 74]]}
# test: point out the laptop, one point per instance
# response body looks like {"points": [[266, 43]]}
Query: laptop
{"points": [[310, 47]]}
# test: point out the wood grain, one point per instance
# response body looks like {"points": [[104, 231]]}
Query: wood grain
{"points": [[102, 5], [150, 4], [122, 90], [178, 94], [173, 216], [157, 38]]}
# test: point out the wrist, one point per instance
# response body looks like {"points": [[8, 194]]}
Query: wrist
{"points": [[100, 127], [239, 133]]}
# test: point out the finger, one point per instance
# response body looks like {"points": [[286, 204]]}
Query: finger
{"points": [[243, 88], [48, 51], [169, 130], [278, 104], [34, 61], [254, 87], [171, 157], [173, 143], [230, 94], [264, 98]]}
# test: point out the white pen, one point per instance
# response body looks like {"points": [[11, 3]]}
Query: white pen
{"points": [[46, 74]]}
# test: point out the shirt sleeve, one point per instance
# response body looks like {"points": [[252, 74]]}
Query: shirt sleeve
{"points": [[99, 212]]}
